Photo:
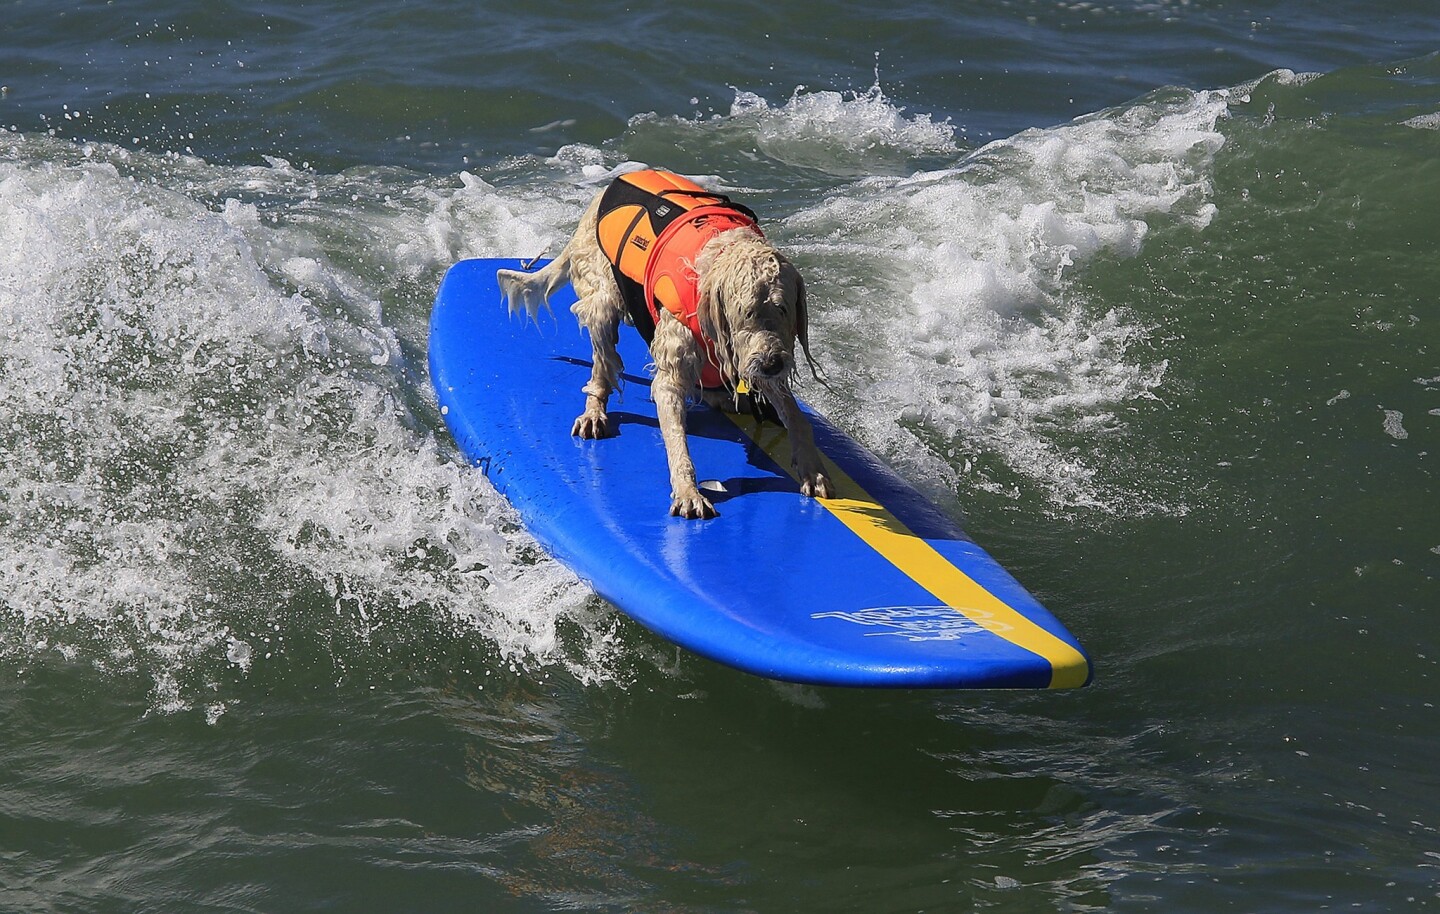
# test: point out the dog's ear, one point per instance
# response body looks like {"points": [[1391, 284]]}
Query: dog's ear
{"points": [[802, 320], [802, 313], [706, 307], [714, 323]]}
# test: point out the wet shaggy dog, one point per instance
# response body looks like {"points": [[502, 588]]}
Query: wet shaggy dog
{"points": [[748, 312]]}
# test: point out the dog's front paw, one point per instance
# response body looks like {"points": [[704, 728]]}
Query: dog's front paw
{"points": [[817, 485], [591, 424], [692, 505]]}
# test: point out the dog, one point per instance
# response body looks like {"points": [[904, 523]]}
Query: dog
{"points": [[720, 308]]}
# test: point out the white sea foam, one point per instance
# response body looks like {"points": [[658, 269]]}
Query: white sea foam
{"points": [[209, 423], [1280, 77], [950, 291], [838, 133], [1394, 424], [832, 129]]}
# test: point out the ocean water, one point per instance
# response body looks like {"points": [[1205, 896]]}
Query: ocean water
{"points": [[1147, 293]]}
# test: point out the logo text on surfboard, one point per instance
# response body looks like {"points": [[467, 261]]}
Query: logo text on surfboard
{"points": [[913, 623]]}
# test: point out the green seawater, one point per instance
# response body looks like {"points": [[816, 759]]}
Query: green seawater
{"points": [[1144, 293]]}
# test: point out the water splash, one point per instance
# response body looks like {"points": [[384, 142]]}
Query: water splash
{"points": [[827, 133], [959, 317], [216, 439], [841, 133]]}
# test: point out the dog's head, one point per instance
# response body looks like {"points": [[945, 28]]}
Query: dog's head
{"points": [[752, 308]]}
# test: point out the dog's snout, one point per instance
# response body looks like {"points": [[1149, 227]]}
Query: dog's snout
{"points": [[771, 364]]}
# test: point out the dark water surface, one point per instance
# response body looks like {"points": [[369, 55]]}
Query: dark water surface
{"points": [[1147, 293]]}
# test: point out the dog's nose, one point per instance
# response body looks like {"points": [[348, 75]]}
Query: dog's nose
{"points": [[771, 365]]}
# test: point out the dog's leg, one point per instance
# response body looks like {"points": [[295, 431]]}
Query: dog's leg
{"points": [[685, 497], [677, 372], [602, 319], [599, 309], [804, 456]]}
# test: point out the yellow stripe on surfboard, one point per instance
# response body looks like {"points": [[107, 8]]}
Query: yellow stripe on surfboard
{"points": [[912, 555]]}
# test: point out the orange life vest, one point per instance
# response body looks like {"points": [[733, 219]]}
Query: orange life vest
{"points": [[652, 226]]}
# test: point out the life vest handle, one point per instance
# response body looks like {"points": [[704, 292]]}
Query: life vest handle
{"points": [[750, 213]]}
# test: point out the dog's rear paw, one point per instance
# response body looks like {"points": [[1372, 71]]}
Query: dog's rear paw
{"points": [[693, 506], [591, 425], [817, 485]]}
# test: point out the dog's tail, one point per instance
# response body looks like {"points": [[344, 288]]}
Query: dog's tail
{"points": [[531, 290]]}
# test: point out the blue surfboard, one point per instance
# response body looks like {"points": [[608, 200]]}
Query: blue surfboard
{"points": [[875, 587]]}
